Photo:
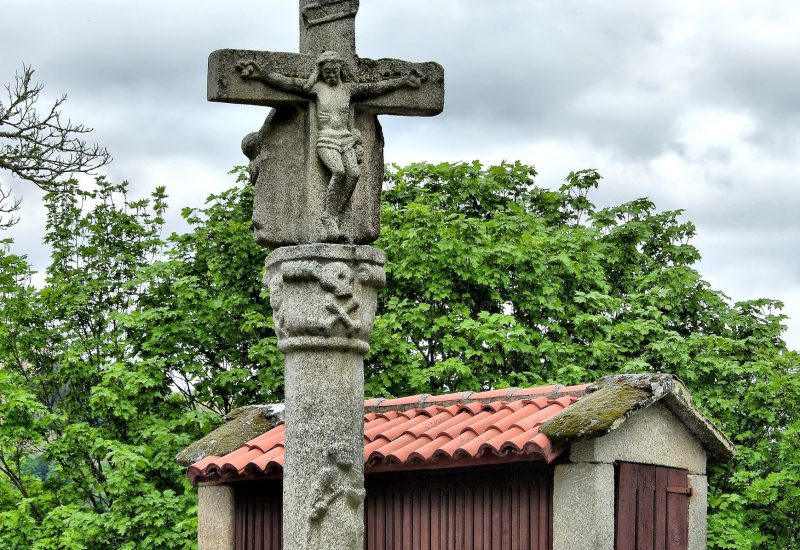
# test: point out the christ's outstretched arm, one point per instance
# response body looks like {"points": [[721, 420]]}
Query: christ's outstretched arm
{"points": [[367, 89], [250, 70]]}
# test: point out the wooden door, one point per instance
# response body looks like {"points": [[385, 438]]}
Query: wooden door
{"points": [[652, 507]]}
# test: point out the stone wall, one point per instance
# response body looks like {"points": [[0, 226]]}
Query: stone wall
{"points": [[215, 517], [583, 491]]}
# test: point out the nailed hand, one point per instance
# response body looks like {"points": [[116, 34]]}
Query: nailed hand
{"points": [[249, 70]]}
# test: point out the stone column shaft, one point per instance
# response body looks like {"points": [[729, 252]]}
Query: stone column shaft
{"points": [[324, 298], [324, 449]]}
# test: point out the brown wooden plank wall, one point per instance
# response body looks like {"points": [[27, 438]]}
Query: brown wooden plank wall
{"points": [[497, 508], [258, 517], [508, 508], [652, 507]]}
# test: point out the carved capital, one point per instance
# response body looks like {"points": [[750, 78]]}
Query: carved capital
{"points": [[324, 296]]}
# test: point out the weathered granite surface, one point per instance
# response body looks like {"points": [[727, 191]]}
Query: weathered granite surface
{"points": [[583, 507], [698, 511], [317, 167], [327, 25], [653, 436], [317, 162], [216, 516], [324, 299]]}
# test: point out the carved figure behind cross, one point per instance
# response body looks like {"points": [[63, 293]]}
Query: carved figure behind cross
{"points": [[339, 144]]}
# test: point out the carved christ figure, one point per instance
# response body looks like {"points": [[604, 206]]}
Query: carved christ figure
{"points": [[333, 88]]}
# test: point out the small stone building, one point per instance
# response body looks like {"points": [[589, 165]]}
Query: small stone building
{"points": [[618, 464]]}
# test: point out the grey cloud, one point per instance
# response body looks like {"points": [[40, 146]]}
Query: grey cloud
{"points": [[763, 77], [523, 70]]}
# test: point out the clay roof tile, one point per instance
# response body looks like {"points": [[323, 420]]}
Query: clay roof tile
{"points": [[409, 430], [466, 427]]}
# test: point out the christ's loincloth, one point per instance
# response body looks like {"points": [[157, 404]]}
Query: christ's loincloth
{"points": [[341, 141]]}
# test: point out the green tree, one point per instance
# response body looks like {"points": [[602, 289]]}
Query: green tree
{"points": [[89, 428], [206, 316], [495, 282], [121, 359], [116, 362]]}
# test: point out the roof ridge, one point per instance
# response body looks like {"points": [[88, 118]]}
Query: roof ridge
{"points": [[424, 400]]}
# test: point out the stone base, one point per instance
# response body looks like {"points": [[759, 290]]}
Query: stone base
{"points": [[698, 510], [583, 507]]}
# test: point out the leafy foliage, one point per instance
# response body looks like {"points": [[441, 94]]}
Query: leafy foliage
{"points": [[135, 342], [494, 282], [89, 426]]}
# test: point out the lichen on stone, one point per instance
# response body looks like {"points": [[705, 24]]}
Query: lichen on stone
{"points": [[241, 425], [613, 399], [606, 405], [597, 413]]}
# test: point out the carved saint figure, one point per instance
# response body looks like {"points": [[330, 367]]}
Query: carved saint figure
{"points": [[339, 487], [334, 89]]}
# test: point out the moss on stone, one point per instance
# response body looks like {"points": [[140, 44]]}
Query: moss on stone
{"points": [[597, 413], [240, 426], [613, 399]]}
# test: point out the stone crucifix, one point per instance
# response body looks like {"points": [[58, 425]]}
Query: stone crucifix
{"points": [[317, 166], [317, 162]]}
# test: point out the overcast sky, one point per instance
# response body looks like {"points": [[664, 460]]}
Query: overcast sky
{"points": [[694, 104]]}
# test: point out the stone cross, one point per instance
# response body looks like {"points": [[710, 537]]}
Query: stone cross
{"points": [[317, 162], [317, 166]]}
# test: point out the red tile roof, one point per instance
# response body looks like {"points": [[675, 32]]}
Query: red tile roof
{"points": [[423, 431]]}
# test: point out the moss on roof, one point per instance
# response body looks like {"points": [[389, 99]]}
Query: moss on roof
{"points": [[596, 414], [613, 399], [241, 425]]}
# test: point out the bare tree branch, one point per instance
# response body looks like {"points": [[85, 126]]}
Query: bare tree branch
{"points": [[42, 147], [8, 205]]}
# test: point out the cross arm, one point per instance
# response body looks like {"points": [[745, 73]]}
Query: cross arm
{"points": [[427, 100], [225, 82]]}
